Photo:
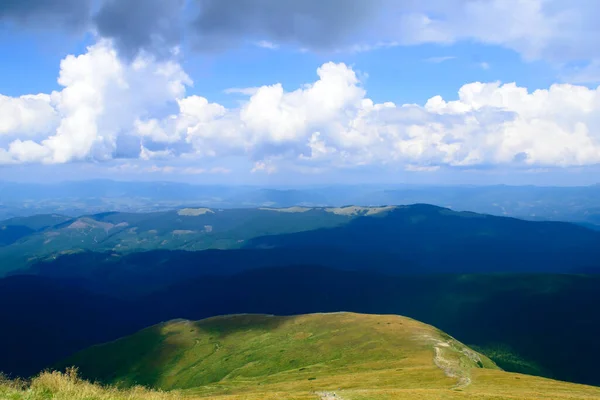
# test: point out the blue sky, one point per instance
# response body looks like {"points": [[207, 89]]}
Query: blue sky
{"points": [[264, 91]]}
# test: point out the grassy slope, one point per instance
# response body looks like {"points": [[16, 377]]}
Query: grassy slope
{"points": [[356, 356]]}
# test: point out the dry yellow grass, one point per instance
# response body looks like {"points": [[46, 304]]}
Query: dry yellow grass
{"points": [[68, 386], [488, 385]]}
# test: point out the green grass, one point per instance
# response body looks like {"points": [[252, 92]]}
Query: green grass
{"points": [[356, 356], [508, 359]]}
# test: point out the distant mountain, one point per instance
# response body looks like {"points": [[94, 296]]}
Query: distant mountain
{"points": [[397, 239], [184, 229], [576, 204], [441, 240], [11, 233], [13, 229]]}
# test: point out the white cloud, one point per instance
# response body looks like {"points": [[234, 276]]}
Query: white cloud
{"points": [[28, 115], [440, 59], [99, 100], [167, 169], [194, 112], [330, 123], [588, 73], [265, 44], [193, 171], [146, 154], [245, 91], [534, 28], [263, 166], [421, 168], [219, 170], [139, 167], [363, 47]]}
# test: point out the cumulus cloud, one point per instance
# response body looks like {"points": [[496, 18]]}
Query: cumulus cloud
{"points": [[27, 115], [328, 124], [136, 168], [440, 59], [333, 123], [99, 101], [265, 44], [243, 91]]}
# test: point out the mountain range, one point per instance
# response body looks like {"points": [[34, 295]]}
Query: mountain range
{"points": [[579, 204], [399, 239], [519, 292]]}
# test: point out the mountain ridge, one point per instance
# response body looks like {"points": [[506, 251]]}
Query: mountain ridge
{"points": [[430, 235]]}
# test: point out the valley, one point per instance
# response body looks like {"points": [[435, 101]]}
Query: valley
{"points": [[299, 200], [498, 284]]}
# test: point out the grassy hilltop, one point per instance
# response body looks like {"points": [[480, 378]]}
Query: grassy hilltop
{"points": [[318, 356]]}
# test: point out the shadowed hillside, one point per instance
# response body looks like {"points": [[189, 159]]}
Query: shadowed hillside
{"points": [[508, 317], [441, 240], [45, 320], [318, 356]]}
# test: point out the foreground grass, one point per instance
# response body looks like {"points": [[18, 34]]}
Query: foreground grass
{"points": [[340, 356], [488, 385], [68, 386]]}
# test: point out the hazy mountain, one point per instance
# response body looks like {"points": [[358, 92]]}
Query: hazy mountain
{"points": [[579, 204]]}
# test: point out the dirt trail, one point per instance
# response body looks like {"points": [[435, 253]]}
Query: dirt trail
{"points": [[452, 365], [329, 396]]}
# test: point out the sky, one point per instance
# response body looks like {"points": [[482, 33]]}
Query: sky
{"points": [[311, 91]]}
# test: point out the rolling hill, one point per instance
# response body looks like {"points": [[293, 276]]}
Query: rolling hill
{"points": [[318, 356]]}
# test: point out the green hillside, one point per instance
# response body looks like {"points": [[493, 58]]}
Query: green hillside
{"points": [[317, 356]]}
